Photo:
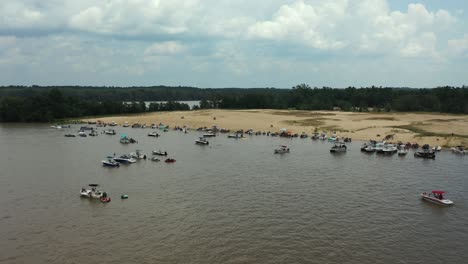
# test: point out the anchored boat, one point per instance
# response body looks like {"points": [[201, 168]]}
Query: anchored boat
{"points": [[437, 197]]}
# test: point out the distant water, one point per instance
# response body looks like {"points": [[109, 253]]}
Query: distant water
{"points": [[233, 201]]}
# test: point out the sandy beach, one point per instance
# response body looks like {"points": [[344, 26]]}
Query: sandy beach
{"points": [[424, 128]]}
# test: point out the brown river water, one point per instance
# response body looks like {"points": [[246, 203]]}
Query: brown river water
{"points": [[232, 201]]}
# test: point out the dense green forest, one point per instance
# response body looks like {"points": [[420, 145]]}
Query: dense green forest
{"points": [[47, 103]]}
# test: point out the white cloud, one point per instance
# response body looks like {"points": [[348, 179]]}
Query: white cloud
{"points": [[165, 48], [458, 46]]}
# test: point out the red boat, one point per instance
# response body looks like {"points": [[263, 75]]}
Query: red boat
{"points": [[169, 160], [437, 197]]}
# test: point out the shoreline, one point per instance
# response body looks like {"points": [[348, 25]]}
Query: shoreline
{"points": [[435, 129]]}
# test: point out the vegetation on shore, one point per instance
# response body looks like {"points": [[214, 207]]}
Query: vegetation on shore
{"points": [[45, 104]]}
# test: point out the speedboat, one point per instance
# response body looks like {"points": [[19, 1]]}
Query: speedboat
{"points": [[237, 135], [388, 149], [425, 154], [202, 141], [338, 147], [304, 135], [69, 135], [92, 191], [160, 153], [437, 197], [153, 134], [138, 155], [169, 160], [209, 135], [126, 124], [155, 159], [402, 152], [281, 150], [459, 150], [369, 149], [124, 159], [93, 133], [109, 132], [110, 163], [56, 126], [82, 133]]}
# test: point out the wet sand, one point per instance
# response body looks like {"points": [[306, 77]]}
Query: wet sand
{"points": [[430, 128]]}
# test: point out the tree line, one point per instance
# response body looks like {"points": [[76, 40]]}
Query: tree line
{"points": [[44, 103]]}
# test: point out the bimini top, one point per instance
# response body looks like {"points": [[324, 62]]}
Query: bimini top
{"points": [[438, 192]]}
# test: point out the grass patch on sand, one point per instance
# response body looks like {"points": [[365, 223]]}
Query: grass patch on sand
{"points": [[301, 113], [383, 118], [305, 122], [424, 133], [443, 120], [334, 128]]}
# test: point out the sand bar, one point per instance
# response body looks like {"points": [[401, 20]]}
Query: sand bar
{"points": [[434, 129]]}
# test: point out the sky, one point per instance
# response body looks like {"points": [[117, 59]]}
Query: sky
{"points": [[241, 43]]}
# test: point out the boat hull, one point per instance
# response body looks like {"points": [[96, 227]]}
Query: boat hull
{"points": [[443, 202]]}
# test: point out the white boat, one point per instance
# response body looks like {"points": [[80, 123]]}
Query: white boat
{"points": [[402, 152], [138, 155], [82, 134], [369, 149], [237, 136], [124, 159], [209, 135], [388, 149], [56, 126], [437, 197], [110, 163], [282, 149], [109, 132], [160, 153], [126, 124], [202, 141], [91, 191], [338, 147], [459, 150], [437, 148], [153, 134]]}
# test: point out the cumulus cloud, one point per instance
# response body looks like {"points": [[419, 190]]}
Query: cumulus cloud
{"points": [[165, 48], [242, 37]]}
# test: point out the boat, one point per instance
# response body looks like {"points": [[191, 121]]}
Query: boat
{"points": [[459, 150], [69, 135], [202, 141], [126, 124], [153, 134], [236, 136], [82, 134], [110, 163], [209, 135], [113, 123], [338, 147], [155, 159], [369, 149], [159, 153], [437, 148], [92, 192], [437, 197], [315, 136], [388, 149], [124, 159], [402, 151], [110, 132], [138, 155], [333, 138], [281, 150], [169, 160], [304, 135], [425, 154], [56, 126], [93, 133]]}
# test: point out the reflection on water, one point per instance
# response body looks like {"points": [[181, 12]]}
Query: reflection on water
{"points": [[233, 201]]}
